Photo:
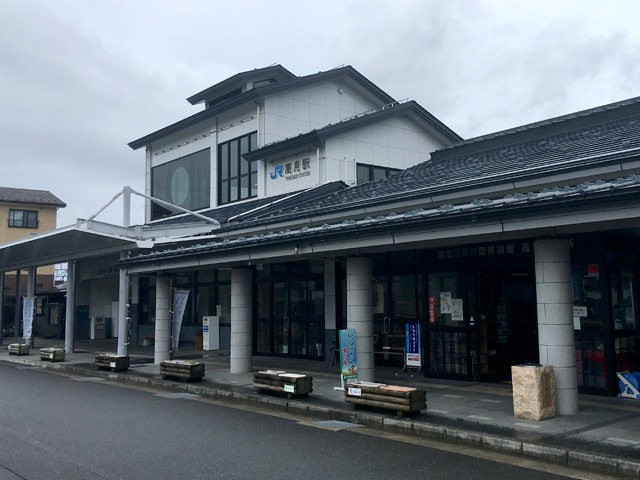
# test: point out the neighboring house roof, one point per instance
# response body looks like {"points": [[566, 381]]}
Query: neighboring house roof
{"points": [[264, 91], [517, 204], [30, 197], [411, 108], [600, 136], [276, 72]]}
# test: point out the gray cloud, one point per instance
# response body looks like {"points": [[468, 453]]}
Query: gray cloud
{"points": [[81, 79]]}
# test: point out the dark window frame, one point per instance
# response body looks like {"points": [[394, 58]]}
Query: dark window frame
{"points": [[237, 171], [29, 218], [372, 170]]}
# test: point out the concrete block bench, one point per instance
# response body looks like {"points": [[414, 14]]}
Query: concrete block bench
{"points": [[292, 384], [52, 354], [18, 349], [404, 400], [188, 370], [115, 363]]}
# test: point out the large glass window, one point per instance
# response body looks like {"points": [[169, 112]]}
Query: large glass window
{"points": [[184, 182], [23, 218], [237, 178]]}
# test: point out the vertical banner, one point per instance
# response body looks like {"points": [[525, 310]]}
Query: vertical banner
{"points": [[180, 298], [28, 308], [432, 309], [412, 337], [348, 355]]}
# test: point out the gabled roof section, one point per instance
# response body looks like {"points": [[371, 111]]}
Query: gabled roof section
{"points": [[30, 197], [257, 93], [411, 108], [596, 137], [275, 72]]}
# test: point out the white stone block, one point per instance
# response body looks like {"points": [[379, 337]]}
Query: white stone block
{"points": [[557, 272], [560, 357], [554, 293], [557, 335], [558, 314]]}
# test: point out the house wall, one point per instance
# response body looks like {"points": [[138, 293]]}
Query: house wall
{"points": [[46, 221], [396, 143]]}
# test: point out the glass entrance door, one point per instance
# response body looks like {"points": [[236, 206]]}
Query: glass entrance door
{"points": [[298, 314]]}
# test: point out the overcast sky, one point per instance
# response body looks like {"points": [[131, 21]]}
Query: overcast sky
{"points": [[81, 79]]}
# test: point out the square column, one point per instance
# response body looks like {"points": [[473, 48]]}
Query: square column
{"points": [[329, 308], [360, 313], [556, 340], [162, 347], [241, 320], [123, 303], [70, 318]]}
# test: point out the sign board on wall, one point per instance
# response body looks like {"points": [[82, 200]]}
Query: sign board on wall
{"points": [[432, 309], [291, 170], [348, 354]]}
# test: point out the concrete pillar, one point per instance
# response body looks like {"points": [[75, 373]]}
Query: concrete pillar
{"points": [[360, 313], [241, 320], [70, 319], [1, 304], [329, 308], [123, 310], [556, 340], [18, 304], [162, 350]]}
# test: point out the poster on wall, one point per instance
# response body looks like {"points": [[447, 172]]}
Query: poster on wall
{"points": [[180, 298], [445, 302], [412, 336], [28, 306], [457, 313], [348, 354]]}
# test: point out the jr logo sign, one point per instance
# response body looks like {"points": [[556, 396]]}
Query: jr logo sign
{"points": [[277, 172]]}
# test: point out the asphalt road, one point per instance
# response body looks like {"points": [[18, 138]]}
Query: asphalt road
{"points": [[62, 427]]}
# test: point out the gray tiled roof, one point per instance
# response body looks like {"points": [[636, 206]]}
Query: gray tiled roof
{"points": [[31, 197], [570, 142], [479, 207]]}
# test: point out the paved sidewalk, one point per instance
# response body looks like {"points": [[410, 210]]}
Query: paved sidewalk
{"points": [[603, 436]]}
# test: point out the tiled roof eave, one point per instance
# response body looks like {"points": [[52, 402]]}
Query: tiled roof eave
{"points": [[588, 193]]}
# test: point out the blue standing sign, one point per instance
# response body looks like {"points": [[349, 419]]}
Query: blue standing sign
{"points": [[412, 337], [348, 355]]}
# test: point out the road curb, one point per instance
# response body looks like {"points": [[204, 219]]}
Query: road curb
{"points": [[571, 458]]}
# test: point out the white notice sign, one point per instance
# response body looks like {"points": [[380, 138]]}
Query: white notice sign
{"points": [[445, 302], [356, 392], [290, 388], [457, 313]]}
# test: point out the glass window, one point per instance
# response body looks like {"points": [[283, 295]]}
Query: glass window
{"points": [[184, 182], [237, 179], [367, 173], [587, 292], [362, 173], [23, 218], [379, 172], [622, 299], [444, 291]]}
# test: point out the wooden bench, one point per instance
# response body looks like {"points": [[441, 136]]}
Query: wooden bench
{"points": [[52, 354], [292, 384], [115, 363], [18, 349], [188, 370], [404, 400]]}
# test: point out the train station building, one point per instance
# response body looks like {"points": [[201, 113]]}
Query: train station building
{"points": [[293, 207]]}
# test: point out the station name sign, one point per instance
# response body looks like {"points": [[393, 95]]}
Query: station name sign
{"points": [[292, 170]]}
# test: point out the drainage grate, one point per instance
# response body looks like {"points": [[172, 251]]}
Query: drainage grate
{"points": [[177, 395], [335, 424], [88, 379]]}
